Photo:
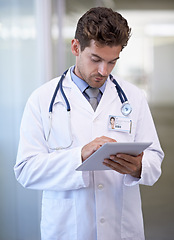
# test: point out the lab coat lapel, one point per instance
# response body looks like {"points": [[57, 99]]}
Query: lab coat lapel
{"points": [[109, 96], [73, 94], [79, 100]]}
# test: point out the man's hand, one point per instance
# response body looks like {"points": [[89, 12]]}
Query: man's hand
{"points": [[93, 146], [125, 164]]}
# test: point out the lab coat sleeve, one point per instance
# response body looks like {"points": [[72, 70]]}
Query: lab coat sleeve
{"points": [[35, 167], [153, 155]]}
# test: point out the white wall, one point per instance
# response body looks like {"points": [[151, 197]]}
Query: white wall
{"points": [[162, 92]]}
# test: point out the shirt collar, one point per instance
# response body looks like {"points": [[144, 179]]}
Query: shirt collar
{"points": [[81, 84]]}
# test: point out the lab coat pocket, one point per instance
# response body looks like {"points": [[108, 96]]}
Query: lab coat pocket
{"points": [[58, 219], [132, 220]]}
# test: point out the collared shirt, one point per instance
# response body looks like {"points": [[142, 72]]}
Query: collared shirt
{"points": [[82, 85]]}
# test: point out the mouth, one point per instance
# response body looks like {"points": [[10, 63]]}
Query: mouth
{"points": [[96, 81], [100, 79]]}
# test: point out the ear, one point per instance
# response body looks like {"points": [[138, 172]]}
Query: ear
{"points": [[75, 47]]}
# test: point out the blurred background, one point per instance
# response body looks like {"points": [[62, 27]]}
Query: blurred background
{"points": [[35, 38]]}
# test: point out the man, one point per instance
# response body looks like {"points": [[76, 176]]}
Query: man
{"points": [[88, 205]]}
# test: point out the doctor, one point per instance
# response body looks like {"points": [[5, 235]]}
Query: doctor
{"points": [[79, 205]]}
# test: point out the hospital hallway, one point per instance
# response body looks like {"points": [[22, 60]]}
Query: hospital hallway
{"points": [[158, 200]]}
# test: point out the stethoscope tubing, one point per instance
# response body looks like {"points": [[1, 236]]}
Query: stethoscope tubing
{"points": [[125, 109], [59, 85], [120, 92]]}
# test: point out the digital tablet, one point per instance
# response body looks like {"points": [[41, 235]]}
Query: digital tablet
{"points": [[95, 161]]}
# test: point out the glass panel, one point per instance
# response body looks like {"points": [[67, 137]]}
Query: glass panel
{"points": [[18, 78]]}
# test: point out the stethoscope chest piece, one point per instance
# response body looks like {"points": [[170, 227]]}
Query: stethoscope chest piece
{"points": [[126, 108]]}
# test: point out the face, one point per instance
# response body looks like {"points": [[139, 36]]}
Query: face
{"points": [[95, 63], [112, 121]]}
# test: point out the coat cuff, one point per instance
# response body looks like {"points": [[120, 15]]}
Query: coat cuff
{"points": [[131, 181]]}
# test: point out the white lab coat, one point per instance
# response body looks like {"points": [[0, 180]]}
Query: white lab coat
{"points": [[85, 205]]}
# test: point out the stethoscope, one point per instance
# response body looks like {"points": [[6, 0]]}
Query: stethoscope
{"points": [[126, 108]]}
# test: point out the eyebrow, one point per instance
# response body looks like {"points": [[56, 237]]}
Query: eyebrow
{"points": [[95, 55]]}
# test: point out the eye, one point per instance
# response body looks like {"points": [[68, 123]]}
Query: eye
{"points": [[95, 60], [113, 62]]}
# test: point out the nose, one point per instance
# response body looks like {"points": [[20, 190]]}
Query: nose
{"points": [[103, 69]]}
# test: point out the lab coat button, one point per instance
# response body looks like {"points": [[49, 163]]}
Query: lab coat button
{"points": [[100, 186], [102, 220]]}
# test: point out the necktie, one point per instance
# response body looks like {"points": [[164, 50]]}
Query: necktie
{"points": [[92, 94]]}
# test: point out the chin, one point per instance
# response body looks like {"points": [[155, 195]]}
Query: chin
{"points": [[98, 85]]}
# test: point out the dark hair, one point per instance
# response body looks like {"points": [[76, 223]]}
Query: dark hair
{"points": [[104, 26], [112, 118]]}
